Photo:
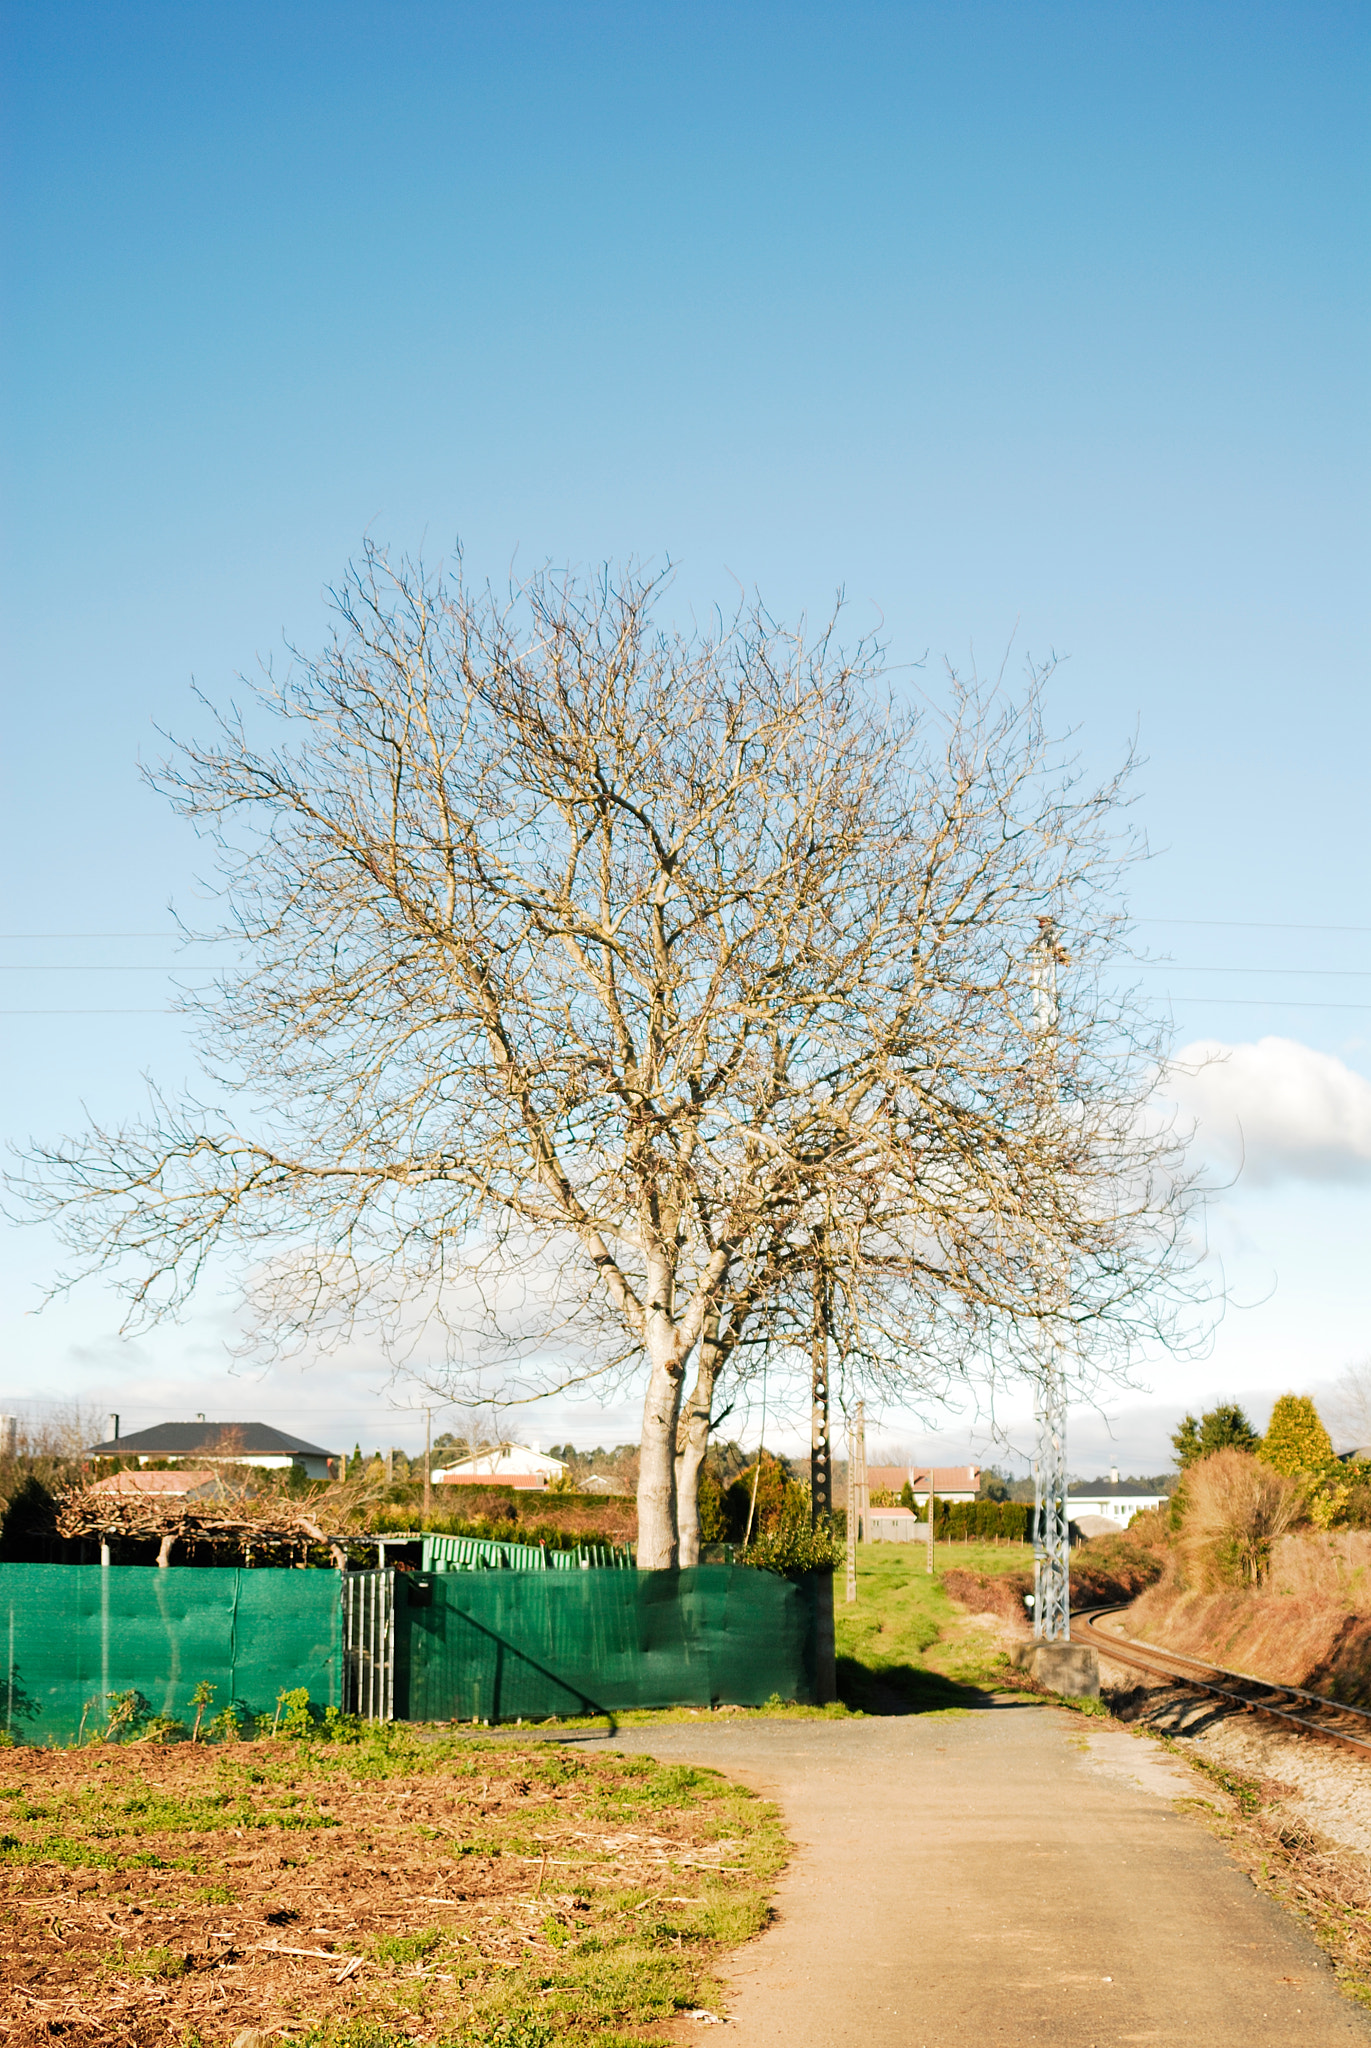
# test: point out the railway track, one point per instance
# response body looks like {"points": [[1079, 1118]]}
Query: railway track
{"points": [[1307, 1712]]}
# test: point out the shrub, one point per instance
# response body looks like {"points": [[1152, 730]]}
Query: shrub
{"points": [[28, 1533], [793, 1547], [1236, 1505]]}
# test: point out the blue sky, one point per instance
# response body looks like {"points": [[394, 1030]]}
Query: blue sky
{"points": [[1028, 325]]}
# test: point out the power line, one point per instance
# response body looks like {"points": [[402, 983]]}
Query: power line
{"points": [[1325, 973], [1251, 924], [1259, 1002], [96, 967], [1237, 924]]}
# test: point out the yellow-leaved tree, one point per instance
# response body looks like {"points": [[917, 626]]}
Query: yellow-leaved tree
{"points": [[1296, 1440]]}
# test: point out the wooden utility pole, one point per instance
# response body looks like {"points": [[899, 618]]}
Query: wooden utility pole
{"points": [[929, 1512], [428, 1463]]}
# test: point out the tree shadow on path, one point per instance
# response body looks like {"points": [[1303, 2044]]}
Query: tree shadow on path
{"points": [[886, 1689]]}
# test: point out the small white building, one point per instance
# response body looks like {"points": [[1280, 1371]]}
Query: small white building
{"points": [[1111, 1501], [503, 1465]]}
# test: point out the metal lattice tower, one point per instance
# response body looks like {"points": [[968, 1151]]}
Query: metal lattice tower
{"points": [[1051, 1537]]}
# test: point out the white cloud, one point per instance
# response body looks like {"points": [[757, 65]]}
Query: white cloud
{"points": [[1276, 1110]]}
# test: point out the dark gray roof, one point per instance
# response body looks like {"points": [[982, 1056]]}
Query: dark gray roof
{"points": [[222, 1439], [1110, 1489]]}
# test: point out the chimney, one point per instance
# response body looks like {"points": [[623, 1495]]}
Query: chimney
{"points": [[112, 1431], [1113, 1475]]}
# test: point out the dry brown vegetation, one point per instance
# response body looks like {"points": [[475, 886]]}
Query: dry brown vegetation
{"points": [[1308, 1624], [1107, 1569], [522, 1516], [382, 1891], [1236, 1507]]}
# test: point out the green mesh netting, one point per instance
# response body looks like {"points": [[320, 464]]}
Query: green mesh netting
{"points": [[72, 1635], [496, 1645]]}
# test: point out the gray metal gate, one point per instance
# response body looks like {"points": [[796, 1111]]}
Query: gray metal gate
{"points": [[369, 1644]]}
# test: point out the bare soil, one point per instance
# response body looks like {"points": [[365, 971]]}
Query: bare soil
{"points": [[414, 1890]]}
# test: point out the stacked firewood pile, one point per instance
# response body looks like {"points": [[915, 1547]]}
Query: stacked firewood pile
{"points": [[255, 1523]]}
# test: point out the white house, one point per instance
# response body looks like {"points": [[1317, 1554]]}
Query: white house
{"points": [[503, 1465], [1111, 1500]]}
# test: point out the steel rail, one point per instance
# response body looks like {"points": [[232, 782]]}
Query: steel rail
{"points": [[1149, 1657]]}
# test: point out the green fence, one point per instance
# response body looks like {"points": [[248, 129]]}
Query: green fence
{"points": [[494, 1646], [483, 1554], [72, 1635]]}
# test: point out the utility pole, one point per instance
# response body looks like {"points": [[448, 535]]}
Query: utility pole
{"points": [[428, 1463], [928, 1510], [856, 1488], [1051, 1536], [821, 1484]]}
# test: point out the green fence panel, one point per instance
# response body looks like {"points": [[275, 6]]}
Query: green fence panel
{"points": [[485, 1553], [499, 1645], [71, 1635]]}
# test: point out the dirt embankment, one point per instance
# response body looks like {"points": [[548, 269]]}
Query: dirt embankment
{"points": [[1309, 1624], [1108, 1569]]}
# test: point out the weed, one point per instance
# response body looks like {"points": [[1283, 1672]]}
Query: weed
{"points": [[159, 1962], [125, 1709], [200, 1699], [355, 2034], [1093, 1709], [229, 1726], [293, 1717], [213, 1895], [401, 1949]]}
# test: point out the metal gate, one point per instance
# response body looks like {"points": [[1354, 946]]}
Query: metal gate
{"points": [[369, 1644]]}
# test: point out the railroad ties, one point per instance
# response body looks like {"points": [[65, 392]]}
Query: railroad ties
{"points": [[1307, 1712]]}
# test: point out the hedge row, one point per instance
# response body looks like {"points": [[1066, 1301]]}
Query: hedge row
{"points": [[979, 1520]]}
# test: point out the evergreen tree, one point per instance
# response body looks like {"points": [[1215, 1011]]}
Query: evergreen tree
{"points": [[1223, 1428], [1296, 1440], [1186, 1442]]}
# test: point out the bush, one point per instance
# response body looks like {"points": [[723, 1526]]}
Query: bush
{"points": [[28, 1534], [794, 1548], [1236, 1505], [980, 1521]]}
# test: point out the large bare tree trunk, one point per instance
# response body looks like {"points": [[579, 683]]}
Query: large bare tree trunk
{"points": [[657, 1461], [692, 1438]]}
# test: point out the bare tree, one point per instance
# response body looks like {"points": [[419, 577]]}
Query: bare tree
{"points": [[1349, 1406], [570, 942]]}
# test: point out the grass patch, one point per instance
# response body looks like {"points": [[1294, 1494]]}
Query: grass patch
{"points": [[904, 1646]]}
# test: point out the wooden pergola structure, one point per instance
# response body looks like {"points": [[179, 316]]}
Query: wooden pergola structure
{"points": [[262, 1523]]}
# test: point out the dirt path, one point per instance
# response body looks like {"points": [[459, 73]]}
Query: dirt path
{"points": [[1010, 1876]]}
